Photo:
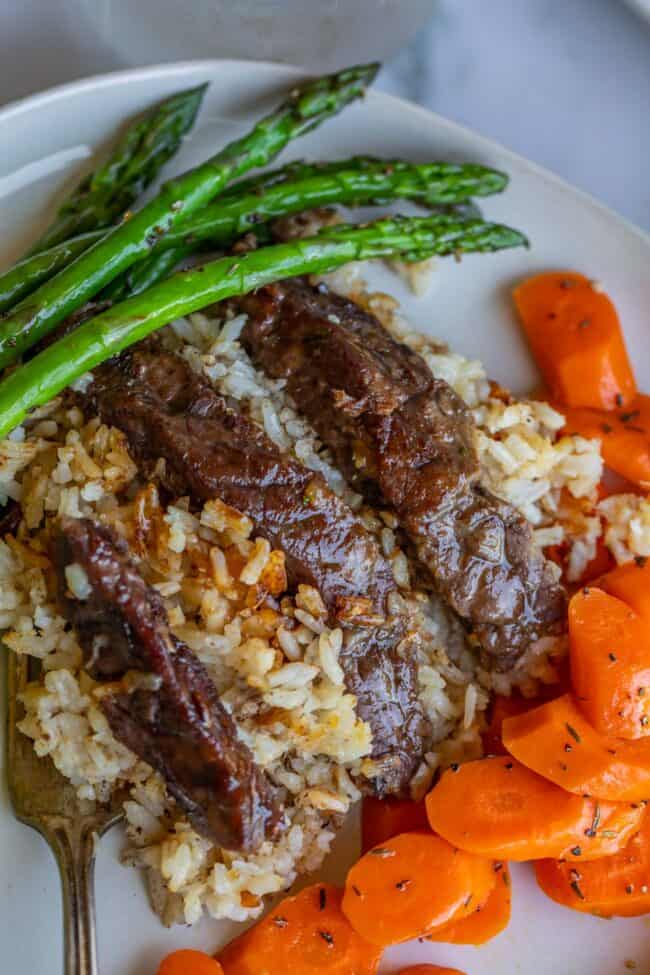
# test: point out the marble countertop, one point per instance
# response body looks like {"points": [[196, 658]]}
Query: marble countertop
{"points": [[563, 82]]}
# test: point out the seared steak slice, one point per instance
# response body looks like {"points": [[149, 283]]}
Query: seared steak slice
{"points": [[211, 450], [173, 718], [406, 440]]}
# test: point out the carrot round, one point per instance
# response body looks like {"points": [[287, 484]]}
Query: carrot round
{"points": [[302, 935], [486, 921], [501, 707], [575, 336], [630, 583], [411, 884], [505, 706], [624, 434], [188, 962], [382, 819], [610, 663], [429, 970], [616, 886], [495, 807], [612, 826], [556, 741]]}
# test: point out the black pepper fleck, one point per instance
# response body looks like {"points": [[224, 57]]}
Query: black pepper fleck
{"points": [[572, 731]]}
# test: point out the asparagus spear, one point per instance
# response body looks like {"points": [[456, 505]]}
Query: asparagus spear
{"points": [[25, 277], [251, 202], [106, 194], [355, 182], [411, 238], [439, 182], [306, 107]]}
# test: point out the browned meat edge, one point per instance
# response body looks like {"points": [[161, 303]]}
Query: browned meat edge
{"points": [[178, 724], [405, 439], [211, 450]]}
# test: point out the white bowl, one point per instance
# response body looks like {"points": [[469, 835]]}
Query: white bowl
{"points": [[319, 34]]}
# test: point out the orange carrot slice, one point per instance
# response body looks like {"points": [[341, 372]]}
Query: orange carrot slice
{"points": [[612, 827], [630, 583], [505, 706], [413, 883], [486, 921], [303, 935], [576, 339], [616, 886], [502, 707], [497, 808], [610, 664], [624, 435], [556, 741], [187, 962], [383, 818]]}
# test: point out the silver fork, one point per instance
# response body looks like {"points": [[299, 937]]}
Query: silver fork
{"points": [[44, 800]]}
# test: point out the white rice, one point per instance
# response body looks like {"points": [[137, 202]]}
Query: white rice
{"points": [[277, 670]]}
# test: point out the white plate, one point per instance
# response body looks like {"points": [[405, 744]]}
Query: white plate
{"points": [[42, 140]]}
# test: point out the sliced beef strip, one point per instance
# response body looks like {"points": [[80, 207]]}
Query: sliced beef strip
{"points": [[211, 450], [405, 439], [173, 719]]}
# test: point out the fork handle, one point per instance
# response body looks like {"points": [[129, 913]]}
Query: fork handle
{"points": [[74, 848]]}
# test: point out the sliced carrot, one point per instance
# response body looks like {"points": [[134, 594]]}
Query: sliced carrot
{"points": [[382, 819], [505, 706], [624, 435], [497, 808], [501, 707], [576, 339], [486, 921], [630, 582], [556, 741], [413, 883], [616, 886], [302, 935], [610, 663], [429, 970], [612, 827], [187, 962]]}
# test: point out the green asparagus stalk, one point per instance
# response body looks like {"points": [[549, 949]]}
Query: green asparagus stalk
{"points": [[354, 183], [252, 202], [306, 107], [103, 196], [411, 238], [439, 182], [28, 274]]}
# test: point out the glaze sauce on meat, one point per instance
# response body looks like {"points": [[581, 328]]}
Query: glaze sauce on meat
{"points": [[173, 719], [405, 439], [211, 449]]}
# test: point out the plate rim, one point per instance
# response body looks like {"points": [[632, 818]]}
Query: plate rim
{"points": [[156, 71]]}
